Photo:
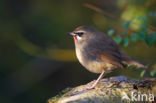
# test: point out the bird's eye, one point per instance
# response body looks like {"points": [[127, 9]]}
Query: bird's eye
{"points": [[79, 33]]}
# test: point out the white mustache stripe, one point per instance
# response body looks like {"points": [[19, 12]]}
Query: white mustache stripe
{"points": [[78, 38]]}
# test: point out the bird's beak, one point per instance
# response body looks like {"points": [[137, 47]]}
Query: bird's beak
{"points": [[71, 33]]}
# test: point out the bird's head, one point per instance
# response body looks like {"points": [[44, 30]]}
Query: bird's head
{"points": [[83, 33]]}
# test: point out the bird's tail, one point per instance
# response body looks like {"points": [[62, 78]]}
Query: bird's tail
{"points": [[128, 61], [136, 64]]}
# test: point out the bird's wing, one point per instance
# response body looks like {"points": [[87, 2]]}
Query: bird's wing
{"points": [[106, 50]]}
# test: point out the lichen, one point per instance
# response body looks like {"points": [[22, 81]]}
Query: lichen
{"points": [[107, 91]]}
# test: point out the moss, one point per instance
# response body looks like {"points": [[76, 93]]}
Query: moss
{"points": [[107, 91]]}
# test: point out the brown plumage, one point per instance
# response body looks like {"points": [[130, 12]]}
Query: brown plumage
{"points": [[98, 52]]}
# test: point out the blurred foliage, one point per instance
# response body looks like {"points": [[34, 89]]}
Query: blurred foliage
{"points": [[34, 68], [141, 35]]}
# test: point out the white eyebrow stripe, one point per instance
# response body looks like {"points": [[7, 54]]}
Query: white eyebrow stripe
{"points": [[80, 31]]}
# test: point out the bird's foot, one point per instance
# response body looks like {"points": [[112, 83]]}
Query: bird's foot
{"points": [[90, 87], [97, 81]]}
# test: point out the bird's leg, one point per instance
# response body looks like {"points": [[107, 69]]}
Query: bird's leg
{"points": [[99, 78]]}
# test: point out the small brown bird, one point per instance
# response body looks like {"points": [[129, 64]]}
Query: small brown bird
{"points": [[98, 53]]}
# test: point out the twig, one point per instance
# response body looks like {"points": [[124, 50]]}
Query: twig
{"points": [[97, 9]]}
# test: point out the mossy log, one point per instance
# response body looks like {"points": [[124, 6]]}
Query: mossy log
{"points": [[111, 90]]}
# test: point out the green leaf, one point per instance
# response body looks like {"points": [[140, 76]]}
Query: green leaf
{"points": [[144, 18], [134, 37], [143, 25], [125, 41], [117, 39], [142, 73], [138, 18], [150, 13], [150, 39], [127, 24], [154, 34], [153, 72], [125, 32], [110, 32], [142, 34]]}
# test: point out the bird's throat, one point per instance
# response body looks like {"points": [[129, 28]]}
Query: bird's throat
{"points": [[75, 39]]}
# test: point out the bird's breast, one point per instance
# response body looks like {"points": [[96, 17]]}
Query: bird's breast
{"points": [[91, 63], [80, 56]]}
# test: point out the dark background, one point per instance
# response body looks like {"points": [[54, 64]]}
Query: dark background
{"points": [[37, 57]]}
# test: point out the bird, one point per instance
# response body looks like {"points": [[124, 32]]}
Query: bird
{"points": [[99, 53]]}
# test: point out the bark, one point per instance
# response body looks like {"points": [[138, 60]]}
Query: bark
{"points": [[111, 90]]}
